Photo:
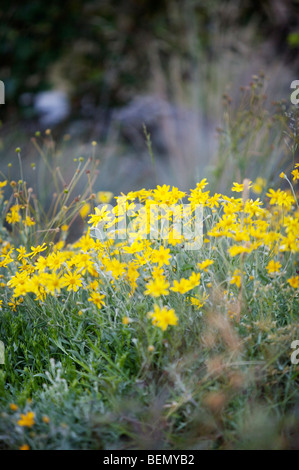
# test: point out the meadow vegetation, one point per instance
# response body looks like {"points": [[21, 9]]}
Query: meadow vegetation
{"points": [[137, 341]]}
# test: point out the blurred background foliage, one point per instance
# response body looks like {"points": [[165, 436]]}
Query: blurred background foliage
{"points": [[104, 50], [103, 54]]}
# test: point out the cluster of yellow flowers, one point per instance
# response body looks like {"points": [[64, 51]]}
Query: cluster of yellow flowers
{"points": [[27, 420], [136, 259]]}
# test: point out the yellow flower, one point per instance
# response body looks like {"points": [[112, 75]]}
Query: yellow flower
{"points": [[85, 243], [59, 245], [41, 264], [13, 216], [21, 284], [198, 302], [126, 320], [205, 264], [46, 419], [29, 221], [97, 299], [213, 200], [82, 261], [174, 237], [162, 194], [236, 279], [294, 282], [132, 275], [281, 198], [273, 267], [157, 287], [295, 174], [13, 406], [181, 286], [53, 284], [55, 260], [104, 196], [161, 256], [24, 447], [64, 228], [238, 188], [253, 207], [72, 281], [236, 250], [163, 317], [202, 184], [38, 249], [194, 280], [22, 253], [273, 195], [116, 267], [259, 185], [27, 420], [93, 285], [99, 216], [85, 209]]}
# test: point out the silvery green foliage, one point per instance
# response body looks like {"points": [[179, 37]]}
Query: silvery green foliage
{"points": [[57, 386]]}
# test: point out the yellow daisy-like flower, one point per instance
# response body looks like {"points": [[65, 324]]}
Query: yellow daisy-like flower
{"points": [[104, 196], [295, 174], [27, 420], [24, 447], [22, 253], [203, 183], [259, 185], [181, 286], [13, 216], [72, 281], [163, 317], [294, 282], [236, 279], [281, 198], [237, 188], [157, 287], [205, 264], [37, 249], [194, 280], [101, 215], [53, 284], [199, 301], [161, 256], [97, 299], [13, 406], [237, 250], [273, 267], [29, 221], [162, 194], [85, 210]]}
